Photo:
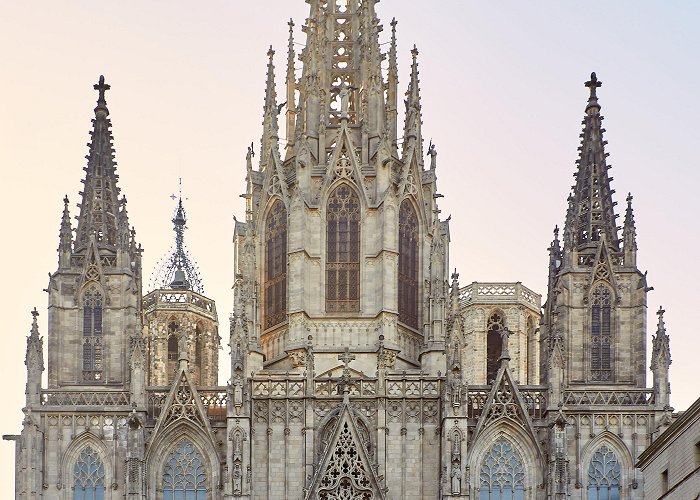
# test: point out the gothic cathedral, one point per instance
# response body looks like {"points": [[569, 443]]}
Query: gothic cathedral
{"points": [[360, 368]]}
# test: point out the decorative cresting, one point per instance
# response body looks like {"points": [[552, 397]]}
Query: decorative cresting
{"points": [[343, 250], [92, 335], [275, 285], [494, 343], [408, 264], [601, 334], [345, 475], [604, 475], [184, 474], [88, 476], [502, 473]]}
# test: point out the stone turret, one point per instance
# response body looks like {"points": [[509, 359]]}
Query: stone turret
{"points": [[660, 362]]}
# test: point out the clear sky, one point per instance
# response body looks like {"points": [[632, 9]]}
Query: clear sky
{"points": [[503, 98]]}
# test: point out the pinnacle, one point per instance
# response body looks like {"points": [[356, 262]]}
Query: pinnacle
{"points": [[593, 84], [101, 109]]}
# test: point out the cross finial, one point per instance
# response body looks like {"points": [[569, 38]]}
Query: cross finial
{"points": [[629, 199], [592, 85], [660, 312], [346, 357], [35, 313]]}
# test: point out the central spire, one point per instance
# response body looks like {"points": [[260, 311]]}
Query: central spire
{"points": [[591, 215]]}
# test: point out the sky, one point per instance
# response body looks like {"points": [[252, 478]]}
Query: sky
{"points": [[503, 99]]}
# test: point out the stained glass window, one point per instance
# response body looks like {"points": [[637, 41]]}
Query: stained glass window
{"points": [[601, 337], [408, 264], [88, 476], [604, 475], [92, 335], [502, 474], [276, 265], [494, 344], [343, 251], [184, 476]]}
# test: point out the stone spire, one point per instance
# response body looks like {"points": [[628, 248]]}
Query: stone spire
{"points": [[100, 205], [34, 360], [413, 120], [592, 216], [660, 361], [270, 136], [65, 236], [392, 87], [629, 235], [554, 256], [291, 89]]}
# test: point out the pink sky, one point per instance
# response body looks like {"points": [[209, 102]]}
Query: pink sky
{"points": [[503, 98]]}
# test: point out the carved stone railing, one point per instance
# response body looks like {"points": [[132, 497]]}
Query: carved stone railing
{"points": [[214, 400], [71, 397], [175, 299], [499, 293], [534, 397], [632, 397], [278, 388]]}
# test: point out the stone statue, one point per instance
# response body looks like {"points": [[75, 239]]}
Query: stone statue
{"points": [[237, 479], [344, 101], [456, 479]]}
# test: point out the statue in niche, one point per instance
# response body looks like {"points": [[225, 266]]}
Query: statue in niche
{"points": [[237, 479], [237, 447], [456, 479]]}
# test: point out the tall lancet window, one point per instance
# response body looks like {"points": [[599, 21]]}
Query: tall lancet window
{"points": [[92, 335], [184, 475], [601, 335], [494, 344], [88, 476], [408, 265], [343, 250], [604, 475], [275, 285], [502, 474]]}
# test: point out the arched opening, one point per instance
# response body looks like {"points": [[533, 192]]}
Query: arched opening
{"points": [[184, 473], [172, 341], [275, 283], [88, 476], [604, 473], [494, 345], [92, 335], [408, 265], [601, 334], [502, 473], [343, 250]]}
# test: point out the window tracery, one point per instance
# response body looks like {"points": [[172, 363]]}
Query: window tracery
{"points": [[92, 335], [408, 264], [502, 473], [275, 286], [184, 474], [494, 343], [88, 476], [604, 475], [601, 334], [343, 250], [345, 476]]}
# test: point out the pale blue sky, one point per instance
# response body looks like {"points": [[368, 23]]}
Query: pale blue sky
{"points": [[503, 97]]}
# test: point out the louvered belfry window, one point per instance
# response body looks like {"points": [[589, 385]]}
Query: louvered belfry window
{"points": [[408, 265], [92, 335], [343, 251], [275, 265], [601, 336]]}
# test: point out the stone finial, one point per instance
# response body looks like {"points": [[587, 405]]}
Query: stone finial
{"points": [[101, 87], [593, 84]]}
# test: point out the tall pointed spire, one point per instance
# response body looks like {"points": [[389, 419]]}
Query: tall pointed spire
{"points": [[99, 206], [392, 87], [629, 235], [65, 236], [593, 215], [660, 362], [413, 121], [34, 360], [270, 111], [291, 90]]}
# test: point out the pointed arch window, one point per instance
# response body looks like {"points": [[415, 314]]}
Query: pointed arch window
{"points": [[172, 341], [408, 264], [92, 335], [184, 474], [604, 475], [198, 347], [494, 344], [343, 250], [502, 473], [275, 286], [88, 476], [601, 334]]}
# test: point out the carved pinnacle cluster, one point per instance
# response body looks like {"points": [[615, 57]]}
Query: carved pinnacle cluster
{"points": [[661, 350], [591, 216]]}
